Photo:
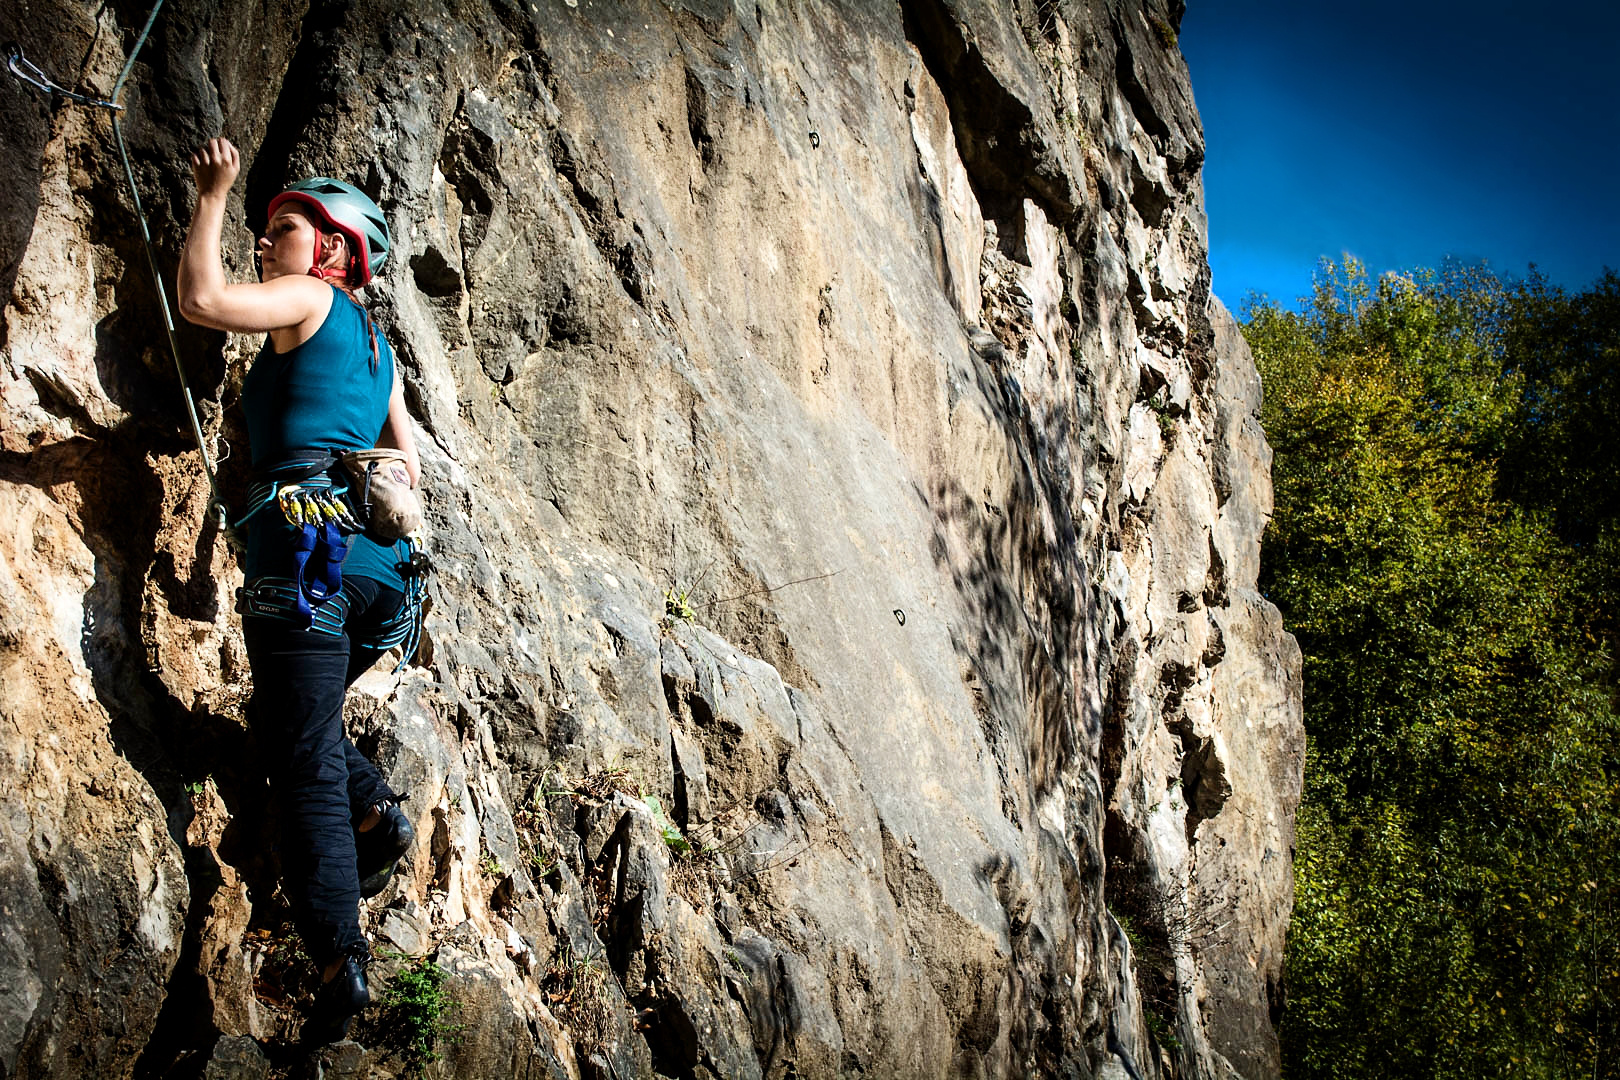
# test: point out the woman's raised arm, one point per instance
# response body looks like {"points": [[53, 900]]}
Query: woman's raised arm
{"points": [[206, 298]]}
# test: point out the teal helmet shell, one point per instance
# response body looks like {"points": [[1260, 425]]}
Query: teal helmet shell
{"points": [[348, 210]]}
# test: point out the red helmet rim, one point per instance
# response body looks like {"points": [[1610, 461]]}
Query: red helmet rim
{"points": [[319, 211]]}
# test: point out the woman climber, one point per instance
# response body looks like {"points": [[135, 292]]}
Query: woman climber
{"points": [[322, 601]]}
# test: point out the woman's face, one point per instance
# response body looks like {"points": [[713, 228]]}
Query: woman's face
{"points": [[288, 243]]}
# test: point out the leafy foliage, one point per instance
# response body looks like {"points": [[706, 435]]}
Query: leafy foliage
{"points": [[1564, 457], [673, 839], [578, 990], [416, 1010], [1457, 869]]}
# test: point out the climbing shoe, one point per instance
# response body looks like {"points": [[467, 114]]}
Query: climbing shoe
{"points": [[338, 1001], [377, 851]]}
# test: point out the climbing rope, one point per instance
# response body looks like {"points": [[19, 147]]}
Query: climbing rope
{"points": [[20, 66]]}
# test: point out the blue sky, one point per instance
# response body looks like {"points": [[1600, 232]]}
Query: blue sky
{"points": [[1405, 133]]}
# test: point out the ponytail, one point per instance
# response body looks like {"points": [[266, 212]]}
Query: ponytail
{"points": [[343, 281], [365, 317]]}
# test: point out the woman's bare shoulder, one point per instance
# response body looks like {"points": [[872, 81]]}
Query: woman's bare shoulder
{"points": [[259, 306]]}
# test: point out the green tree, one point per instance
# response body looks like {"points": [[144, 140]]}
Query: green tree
{"points": [[1565, 453], [1456, 859]]}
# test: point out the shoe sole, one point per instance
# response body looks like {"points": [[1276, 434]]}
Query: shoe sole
{"points": [[376, 881]]}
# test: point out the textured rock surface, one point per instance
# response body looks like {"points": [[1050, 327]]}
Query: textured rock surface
{"points": [[847, 499]]}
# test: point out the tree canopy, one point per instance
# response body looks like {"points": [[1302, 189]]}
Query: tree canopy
{"points": [[1442, 546]]}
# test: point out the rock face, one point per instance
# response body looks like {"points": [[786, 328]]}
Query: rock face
{"points": [[844, 657]]}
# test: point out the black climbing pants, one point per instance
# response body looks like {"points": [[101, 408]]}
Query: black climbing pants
{"points": [[324, 786]]}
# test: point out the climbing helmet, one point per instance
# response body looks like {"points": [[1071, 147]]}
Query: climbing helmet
{"points": [[347, 210]]}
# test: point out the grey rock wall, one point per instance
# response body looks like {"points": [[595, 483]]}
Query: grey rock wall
{"points": [[844, 657]]}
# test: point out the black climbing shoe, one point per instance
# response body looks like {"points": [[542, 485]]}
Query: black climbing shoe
{"points": [[379, 849], [338, 1001]]}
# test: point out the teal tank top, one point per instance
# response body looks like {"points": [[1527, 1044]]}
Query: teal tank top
{"points": [[323, 395]]}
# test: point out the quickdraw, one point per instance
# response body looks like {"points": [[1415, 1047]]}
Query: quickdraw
{"points": [[20, 66], [302, 506]]}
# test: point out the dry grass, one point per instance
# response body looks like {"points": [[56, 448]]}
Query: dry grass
{"points": [[576, 988]]}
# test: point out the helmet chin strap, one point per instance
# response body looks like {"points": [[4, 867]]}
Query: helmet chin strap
{"points": [[316, 269]]}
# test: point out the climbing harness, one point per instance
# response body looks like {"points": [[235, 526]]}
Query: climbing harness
{"points": [[320, 509], [313, 505], [283, 598], [20, 66]]}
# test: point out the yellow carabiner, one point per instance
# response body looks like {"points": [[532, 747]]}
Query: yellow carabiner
{"points": [[290, 508]]}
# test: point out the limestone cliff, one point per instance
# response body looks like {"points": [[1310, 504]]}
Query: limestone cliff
{"points": [[844, 657]]}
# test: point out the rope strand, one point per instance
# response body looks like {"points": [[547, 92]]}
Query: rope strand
{"points": [[216, 502], [25, 70], [118, 87]]}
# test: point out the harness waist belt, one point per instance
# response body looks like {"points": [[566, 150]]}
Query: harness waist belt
{"points": [[282, 598]]}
